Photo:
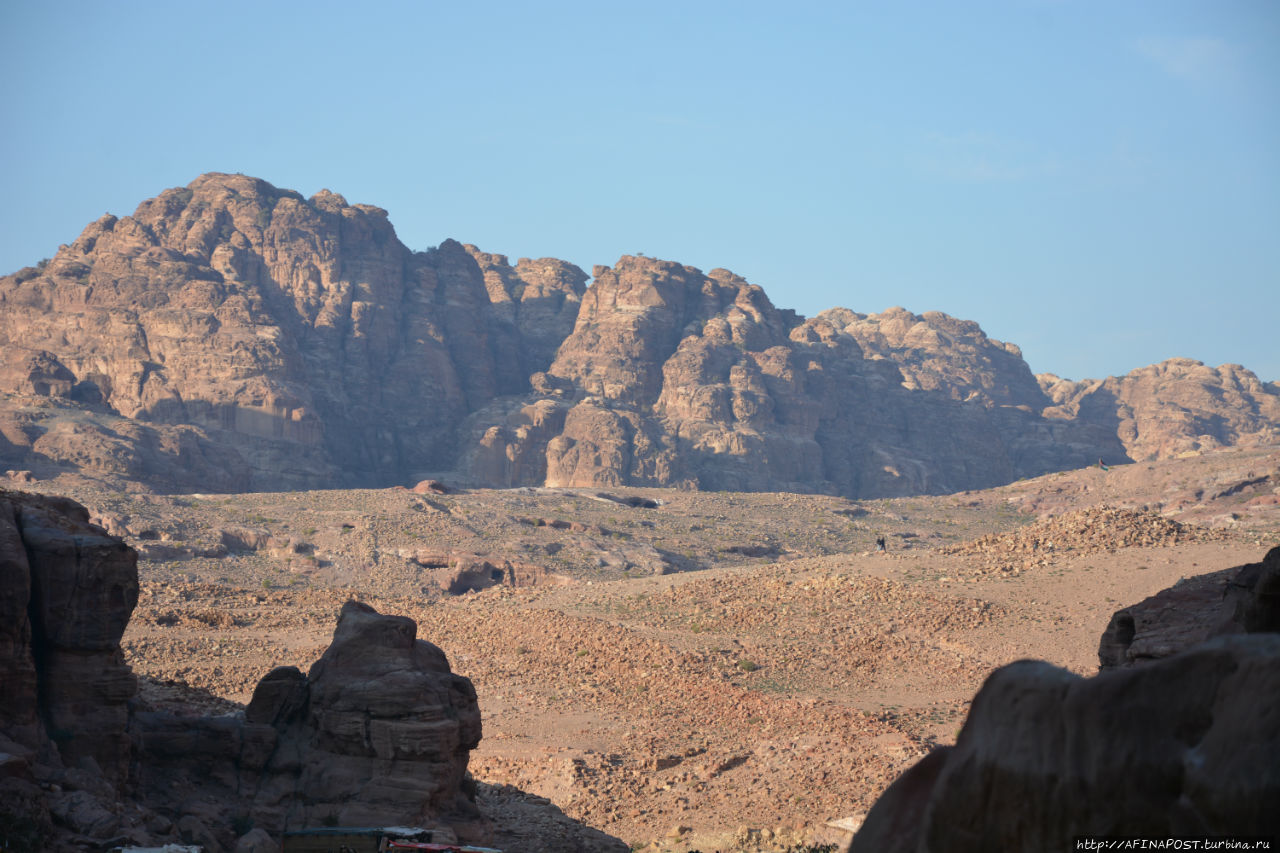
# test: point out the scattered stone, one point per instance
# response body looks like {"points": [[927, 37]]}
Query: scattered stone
{"points": [[1085, 531]]}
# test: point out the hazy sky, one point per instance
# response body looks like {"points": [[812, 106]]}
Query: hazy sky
{"points": [[1096, 182]]}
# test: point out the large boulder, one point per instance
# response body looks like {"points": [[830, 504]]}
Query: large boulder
{"points": [[377, 733], [1245, 599], [390, 726], [1187, 743]]}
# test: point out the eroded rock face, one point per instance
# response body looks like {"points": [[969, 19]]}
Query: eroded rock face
{"points": [[1186, 744], [231, 336], [1245, 599], [300, 334], [1176, 407], [535, 303], [68, 592], [937, 352], [676, 378]]}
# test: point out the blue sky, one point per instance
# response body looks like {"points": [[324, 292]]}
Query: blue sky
{"points": [[1098, 182]]}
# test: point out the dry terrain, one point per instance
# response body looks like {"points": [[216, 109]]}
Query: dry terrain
{"points": [[686, 669]]}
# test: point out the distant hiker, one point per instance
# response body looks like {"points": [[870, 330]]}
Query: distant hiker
{"points": [[880, 543], [1103, 466]]}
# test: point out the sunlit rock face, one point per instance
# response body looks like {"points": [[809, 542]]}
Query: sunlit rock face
{"points": [[231, 335]]}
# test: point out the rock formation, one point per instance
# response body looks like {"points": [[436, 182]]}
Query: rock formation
{"points": [[377, 733], [1172, 408], [1186, 744], [230, 335], [298, 335], [673, 377], [1245, 599], [68, 591]]}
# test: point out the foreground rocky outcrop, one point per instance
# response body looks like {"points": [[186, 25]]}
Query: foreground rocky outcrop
{"points": [[1187, 744], [67, 590], [233, 336], [1245, 599], [379, 731]]}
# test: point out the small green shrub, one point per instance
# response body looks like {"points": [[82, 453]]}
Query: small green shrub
{"points": [[748, 666]]}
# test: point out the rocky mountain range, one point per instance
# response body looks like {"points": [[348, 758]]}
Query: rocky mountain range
{"points": [[233, 336]]}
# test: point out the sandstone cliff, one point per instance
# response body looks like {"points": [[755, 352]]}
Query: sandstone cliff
{"points": [[298, 336], [672, 377], [230, 335], [1176, 407]]}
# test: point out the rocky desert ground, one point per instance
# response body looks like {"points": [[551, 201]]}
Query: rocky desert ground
{"points": [[682, 670]]}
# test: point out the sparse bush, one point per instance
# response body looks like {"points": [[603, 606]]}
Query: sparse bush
{"points": [[748, 666]]}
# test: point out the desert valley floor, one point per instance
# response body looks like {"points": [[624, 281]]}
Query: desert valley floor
{"points": [[684, 670]]}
